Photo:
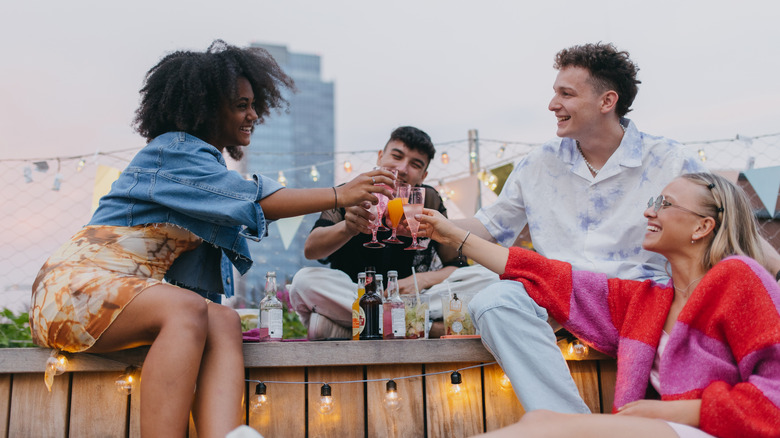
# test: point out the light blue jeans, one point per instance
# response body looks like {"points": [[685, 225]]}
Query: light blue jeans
{"points": [[515, 329]]}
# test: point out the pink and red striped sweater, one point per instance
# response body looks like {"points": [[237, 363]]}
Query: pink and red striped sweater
{"points": [[724, 348]]}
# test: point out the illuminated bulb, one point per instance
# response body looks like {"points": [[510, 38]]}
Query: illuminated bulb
{"points": [[392, 401], [456, 390], [702, 156], [315, 175], [473, 156], [501, 151], [57, 363], [259, 398], [347, 167], [578, 350], [282, 180], [127, 382], [80, 166], [504, 382], [326, 400], [445, 158]]}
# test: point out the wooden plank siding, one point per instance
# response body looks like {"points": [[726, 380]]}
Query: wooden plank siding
{"points": [[421, 369]]}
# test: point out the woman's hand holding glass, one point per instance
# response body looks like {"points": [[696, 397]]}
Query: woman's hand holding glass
{"points": [[381, 206]]}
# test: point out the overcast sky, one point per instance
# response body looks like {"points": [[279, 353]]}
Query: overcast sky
{"points": [[71, 70]]}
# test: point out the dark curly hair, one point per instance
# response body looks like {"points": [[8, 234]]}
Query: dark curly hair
{"points": [[610, 69], [185, 90], [415, 139]]}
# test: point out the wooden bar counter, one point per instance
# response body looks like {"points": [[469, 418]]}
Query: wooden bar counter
{"points": [[84, 401]]}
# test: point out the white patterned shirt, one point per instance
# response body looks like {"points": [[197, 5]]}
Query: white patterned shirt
{"points": [[594, 223]]}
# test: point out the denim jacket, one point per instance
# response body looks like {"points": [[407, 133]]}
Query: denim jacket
{"points": [[181, 180]]}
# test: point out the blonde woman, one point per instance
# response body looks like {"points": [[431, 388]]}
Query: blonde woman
{"points": [[697, 357]]}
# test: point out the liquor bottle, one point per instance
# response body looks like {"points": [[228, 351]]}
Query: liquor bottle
{"points": [[369, 308], [356, 306], [394, 315], [380, 290], [271, 326]]}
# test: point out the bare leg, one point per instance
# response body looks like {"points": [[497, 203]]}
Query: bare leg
{"points": [[217, 408], [541, 423], [174, 321]]}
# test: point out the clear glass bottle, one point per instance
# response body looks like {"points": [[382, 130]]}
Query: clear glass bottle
{"points": [[380, 290], [394, 314], [271, 325], [361, 289]]}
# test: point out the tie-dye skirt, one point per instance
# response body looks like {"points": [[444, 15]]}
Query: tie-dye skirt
{"points": [[87, 282]]}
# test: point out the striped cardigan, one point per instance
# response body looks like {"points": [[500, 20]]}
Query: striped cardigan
{"points": [[724, 348]]}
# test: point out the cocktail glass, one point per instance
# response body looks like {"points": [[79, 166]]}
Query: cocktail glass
{"points": [[414, 207], [381, 206], [373, 226], [395, 211]]}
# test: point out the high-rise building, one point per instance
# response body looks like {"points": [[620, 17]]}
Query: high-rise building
{"points": [[296, 143]]}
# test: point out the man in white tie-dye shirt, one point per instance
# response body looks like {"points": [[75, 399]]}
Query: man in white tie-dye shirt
{"points": [[582, 196]]}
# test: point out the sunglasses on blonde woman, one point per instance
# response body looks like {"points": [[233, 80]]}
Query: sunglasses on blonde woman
{"points": [[661, 201]]}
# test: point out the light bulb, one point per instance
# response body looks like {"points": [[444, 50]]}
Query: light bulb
{"points": [[127, 382], [259, 398], [315, 174], [702, 155], [282, 180], [445, 158], [501, 150], [80, 166], [57, 363], [326, 400], [504, 381], [456, 390], [578, 350], [392, 400], [57, 182], [347, 167], [28, 174]]}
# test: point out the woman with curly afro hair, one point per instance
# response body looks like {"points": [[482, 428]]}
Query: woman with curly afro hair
{"points": [[169, 233]]}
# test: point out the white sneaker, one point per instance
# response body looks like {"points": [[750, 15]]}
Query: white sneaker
{"points": [[321, 327], [243, 431]]}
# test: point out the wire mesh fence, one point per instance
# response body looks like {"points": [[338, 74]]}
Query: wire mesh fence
{"points": [[45, 201]]}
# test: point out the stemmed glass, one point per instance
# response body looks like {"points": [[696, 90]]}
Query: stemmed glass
{"points": [[373, 225], [383, 200], [395, 210], [414, 207]]}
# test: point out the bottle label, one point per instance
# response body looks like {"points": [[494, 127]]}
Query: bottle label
{"points": [[275, 324], [355, 322], [399, 322]]}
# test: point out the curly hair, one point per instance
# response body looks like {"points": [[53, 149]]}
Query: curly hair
{"points": [[415, 139], [609, 68], [736, 231], [185, 90]]}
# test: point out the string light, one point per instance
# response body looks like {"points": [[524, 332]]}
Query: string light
{"points": [[127, 381], [504, 382], [445, 158], [282, 180], [578, 350], [702, 156], [57, 363], [80, 166], [456, 390], [27, 174], [259, 398], [501, 151], [392, 400], [347, 167], [315, 175], [326, 404]]}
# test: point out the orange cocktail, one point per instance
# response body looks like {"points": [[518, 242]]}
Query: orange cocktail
{"points": [[395, 211]]}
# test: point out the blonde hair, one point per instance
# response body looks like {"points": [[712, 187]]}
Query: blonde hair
{"points": [[736, 230]]}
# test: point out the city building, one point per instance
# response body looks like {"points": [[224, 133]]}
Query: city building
{"points": [[300, 143]]}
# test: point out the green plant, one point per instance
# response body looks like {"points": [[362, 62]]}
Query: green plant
{"points": [[15, 330]]}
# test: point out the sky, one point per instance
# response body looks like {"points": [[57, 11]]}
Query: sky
{"points": [[71, 70]]}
